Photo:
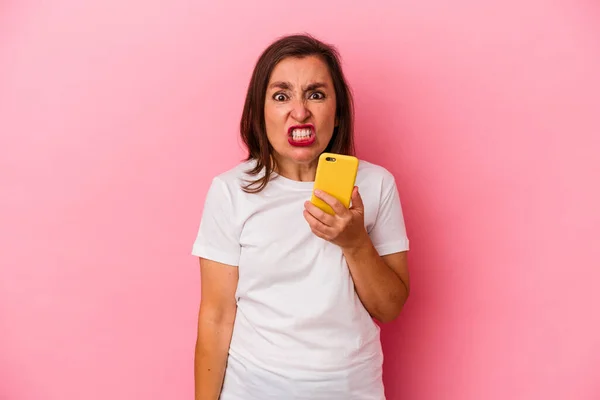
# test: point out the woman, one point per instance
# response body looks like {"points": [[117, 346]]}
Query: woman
{"points": [[289, 293]]}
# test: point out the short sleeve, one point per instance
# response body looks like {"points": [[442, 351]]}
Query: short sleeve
{"points": [[388, 233], [218, 236]]}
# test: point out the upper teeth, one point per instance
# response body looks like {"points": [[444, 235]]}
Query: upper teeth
{"points": [[300, 133]]}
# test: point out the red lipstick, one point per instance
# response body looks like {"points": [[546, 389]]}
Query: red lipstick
{"points": [[301, 135]]}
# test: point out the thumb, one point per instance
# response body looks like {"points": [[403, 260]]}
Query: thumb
{"points": [[357, 203]]}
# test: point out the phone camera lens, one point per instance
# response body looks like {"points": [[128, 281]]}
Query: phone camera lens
{"points": [[331, 159]]}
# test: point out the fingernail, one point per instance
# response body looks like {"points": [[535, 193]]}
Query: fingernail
{"points": [[317, 192]]}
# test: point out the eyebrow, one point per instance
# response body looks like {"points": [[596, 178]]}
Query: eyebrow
{"points": [[288, 86]]}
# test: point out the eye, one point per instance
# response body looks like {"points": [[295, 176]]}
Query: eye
{"points": [[317, 96], [279, 97]]}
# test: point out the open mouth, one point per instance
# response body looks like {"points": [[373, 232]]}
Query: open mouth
{"points": [[301, 135]]}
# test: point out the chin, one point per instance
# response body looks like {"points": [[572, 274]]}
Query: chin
{"points": [[302, 154], [305, 155]]}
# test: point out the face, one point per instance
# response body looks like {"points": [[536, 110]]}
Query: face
{"points": [[300, 110]]}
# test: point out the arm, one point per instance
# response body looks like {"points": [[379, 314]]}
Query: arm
{"points": [[215, 326], [382, 283]]}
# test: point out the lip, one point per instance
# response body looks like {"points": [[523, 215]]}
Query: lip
{"points": [[313, 136]]}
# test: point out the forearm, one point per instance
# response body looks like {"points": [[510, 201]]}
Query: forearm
{"points": [[380, 289], [212, 348]]}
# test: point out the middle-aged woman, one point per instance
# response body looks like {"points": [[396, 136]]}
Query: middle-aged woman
{"points": [[289, 293]]}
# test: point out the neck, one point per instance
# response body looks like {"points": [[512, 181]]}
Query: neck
{"points": [[296, 171]]}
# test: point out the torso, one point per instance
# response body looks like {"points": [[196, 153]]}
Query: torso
{"points": [[301, 332]]}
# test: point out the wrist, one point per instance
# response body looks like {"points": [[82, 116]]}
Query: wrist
{"points": [[362, 244]]}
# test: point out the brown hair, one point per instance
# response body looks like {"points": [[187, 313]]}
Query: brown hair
{"points": [[252, 125]]}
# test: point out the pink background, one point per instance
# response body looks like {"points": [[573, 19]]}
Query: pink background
{"points": [[115, 115]]}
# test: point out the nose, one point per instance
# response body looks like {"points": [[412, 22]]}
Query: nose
{"points": [[299, 111]]}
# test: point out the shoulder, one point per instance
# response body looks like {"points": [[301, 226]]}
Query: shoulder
{"points": [[234, 177], [377, 186], [235, 173], [371, 169], [373, 176], [226, 186]]}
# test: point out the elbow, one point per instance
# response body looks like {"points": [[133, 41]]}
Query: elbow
{"points": [[220, 314], [387, 317], [392, 310]]}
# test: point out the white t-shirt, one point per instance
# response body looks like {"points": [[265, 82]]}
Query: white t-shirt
{"points": [[300, 332]]}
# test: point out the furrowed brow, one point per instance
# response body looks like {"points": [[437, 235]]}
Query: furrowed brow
{"points": [[280, 85], [288, 86], [316, 85]]}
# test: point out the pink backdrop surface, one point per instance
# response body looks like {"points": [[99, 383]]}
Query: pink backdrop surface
{"points": [[114, 116]]}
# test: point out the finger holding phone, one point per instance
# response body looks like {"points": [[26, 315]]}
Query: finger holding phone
{"points": [[336, 211]]}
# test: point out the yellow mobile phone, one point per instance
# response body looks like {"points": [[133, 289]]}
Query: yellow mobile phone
{"points": [[336, 175]]}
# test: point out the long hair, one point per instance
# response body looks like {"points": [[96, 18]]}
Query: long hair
{"points": [[252, 125]]}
